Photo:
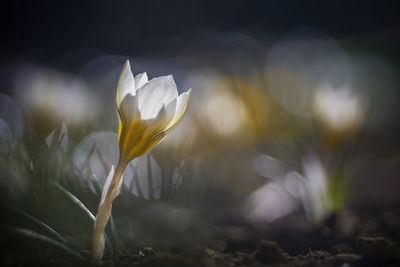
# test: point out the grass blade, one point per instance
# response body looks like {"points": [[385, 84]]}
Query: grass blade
{"points": [[74, 199], [39, 223], [42, 238], [114, 238]]}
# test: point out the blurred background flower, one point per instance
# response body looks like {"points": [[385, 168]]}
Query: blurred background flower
{"points": [[50, 98], [339, 112]]}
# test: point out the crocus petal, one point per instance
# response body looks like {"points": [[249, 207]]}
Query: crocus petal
{"points": [[154, 94], [154, 129], [138, 138], [173, 115], [126, 83], [181, 107], [128, 110], [140, 80], [128, 113], [157, 125]]}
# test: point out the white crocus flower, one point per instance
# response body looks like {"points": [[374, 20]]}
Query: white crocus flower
{"points": [[147, 112], [338, 109]]}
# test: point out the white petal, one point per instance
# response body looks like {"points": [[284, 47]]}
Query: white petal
{"points": [[182, 103], [128, 109], [140, 80], [154, 94], [171, 108], [163, 118], [126, 83], [169, 117]]}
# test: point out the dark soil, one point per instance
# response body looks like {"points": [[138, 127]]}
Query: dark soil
{"points": [[346, 239]]}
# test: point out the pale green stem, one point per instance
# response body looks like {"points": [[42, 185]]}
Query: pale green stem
{"points": [[103, 213]]}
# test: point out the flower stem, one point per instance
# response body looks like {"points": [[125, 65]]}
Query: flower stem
{"points": [[104, 211]]}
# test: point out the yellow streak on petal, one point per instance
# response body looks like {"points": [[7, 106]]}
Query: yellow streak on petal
{"points": [[134, 141], [119, 128]]}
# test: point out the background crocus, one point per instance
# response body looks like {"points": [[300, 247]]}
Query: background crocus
{"points": [[339, 113], [147, 111]]}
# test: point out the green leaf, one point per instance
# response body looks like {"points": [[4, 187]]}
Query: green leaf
{"points": [[39, 223], [42, 238], [74, 199]]}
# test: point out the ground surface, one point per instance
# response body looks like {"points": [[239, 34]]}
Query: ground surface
{"points": [[347, 239]]}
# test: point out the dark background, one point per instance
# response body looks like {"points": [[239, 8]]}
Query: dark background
{"points": [[46, 32]]}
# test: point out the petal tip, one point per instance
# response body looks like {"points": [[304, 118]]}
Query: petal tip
{"points": [[126, 83], [170, 77], [187, 94], [127, 65]]}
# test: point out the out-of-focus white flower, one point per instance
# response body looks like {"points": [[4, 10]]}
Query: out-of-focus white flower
{"points": [[268, 166], [224, 112], [57, 97], [220, 111], [269, 202], [337, 109], [312, 188], [316, 200]]}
